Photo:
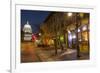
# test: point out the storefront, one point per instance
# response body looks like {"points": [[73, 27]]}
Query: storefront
{"points": [[78, 37]]}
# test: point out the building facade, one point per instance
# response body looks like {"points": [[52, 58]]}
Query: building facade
{"points": [[70, 30]]}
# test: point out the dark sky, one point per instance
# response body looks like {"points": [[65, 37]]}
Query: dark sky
{"points": [[35, 18]]}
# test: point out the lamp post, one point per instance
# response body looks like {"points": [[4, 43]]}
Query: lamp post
{"points": [[70, 14], [77, 39]]}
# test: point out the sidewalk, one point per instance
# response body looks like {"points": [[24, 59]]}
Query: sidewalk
{"points": [[45, 55], [49, 55]]}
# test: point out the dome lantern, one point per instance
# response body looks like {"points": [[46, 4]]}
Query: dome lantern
{"points": [[27, 28]]}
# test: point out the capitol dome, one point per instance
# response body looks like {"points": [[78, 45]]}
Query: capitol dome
{"points": [[27, 28]]}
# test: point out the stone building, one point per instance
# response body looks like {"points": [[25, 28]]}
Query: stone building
{"points": [[70, 29]]}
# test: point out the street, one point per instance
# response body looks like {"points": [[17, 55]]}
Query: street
{"points": [[32, 53], [54, 36], [28, 53]]}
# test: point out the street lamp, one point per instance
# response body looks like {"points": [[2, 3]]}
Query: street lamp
{"points": [[69, 14], [74, 36], [78, 30], [39, 34], [77, 39], [69, 32], [84, 28]]}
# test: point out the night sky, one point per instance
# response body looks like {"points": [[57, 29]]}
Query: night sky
{"points": [[35, 18]]}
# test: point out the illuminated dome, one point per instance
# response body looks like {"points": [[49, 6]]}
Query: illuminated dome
{"points": [[27, 28]]}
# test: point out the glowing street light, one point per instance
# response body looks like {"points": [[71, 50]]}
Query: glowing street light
{"points": [[39, 34], [69, 14], [84, 28], [78, 30], [69, 32], [74, 36]]}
